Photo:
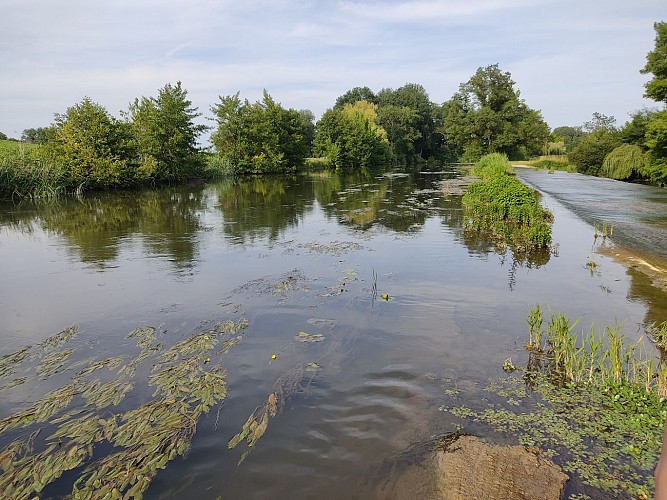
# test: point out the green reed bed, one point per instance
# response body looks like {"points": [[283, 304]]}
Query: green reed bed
{"points": [[30, 172], [506, 208]]}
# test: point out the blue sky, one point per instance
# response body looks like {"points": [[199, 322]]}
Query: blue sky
{"points": [[568, 58]]}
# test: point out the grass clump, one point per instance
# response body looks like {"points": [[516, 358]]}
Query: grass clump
{"points": [[552, 163], [504, 206], [591, 401]]}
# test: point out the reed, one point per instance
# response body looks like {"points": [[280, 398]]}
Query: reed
{"points": [[31, 173], [596, 359]]}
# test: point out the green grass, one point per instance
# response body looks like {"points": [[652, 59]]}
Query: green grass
{"points": [[28, 171], [552, 163]]}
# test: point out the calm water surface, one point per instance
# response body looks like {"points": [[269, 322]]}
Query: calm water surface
{"points": [[286, 254]]}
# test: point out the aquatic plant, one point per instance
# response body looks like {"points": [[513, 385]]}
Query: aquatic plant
{"points": [[506, 208], [144, 439], [601, 406]]}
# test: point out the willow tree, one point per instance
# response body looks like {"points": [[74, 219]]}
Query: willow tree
{"points": [[624, 162]]}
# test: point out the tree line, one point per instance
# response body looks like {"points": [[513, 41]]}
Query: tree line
{"points": [[638, 149], [156, 140]]}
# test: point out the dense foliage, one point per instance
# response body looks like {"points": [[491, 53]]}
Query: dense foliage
{"points": [[165, 136], [505, 207], [350, 138], [261, 137], [487, 115]]}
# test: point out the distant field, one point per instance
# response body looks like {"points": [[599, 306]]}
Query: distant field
{"points": [[11, 146]]}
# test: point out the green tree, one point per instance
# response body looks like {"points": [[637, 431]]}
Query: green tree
{"points": [[407, 114], [634, 130], [350, 138], [39, 135], [355, 95], [308, 128], [656, 64], [259, 138], [487, 115], [624, 162], [656, 143], [571, 136], [166, 135], [94, 146], [3, 136], [591, 151]]}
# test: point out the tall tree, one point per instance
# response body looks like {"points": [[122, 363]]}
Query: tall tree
{"points": [[94, 146], [350, 138], [407, 114], [262, 137], [355, 95], [656, 64], [487, 115], [166, 135]]}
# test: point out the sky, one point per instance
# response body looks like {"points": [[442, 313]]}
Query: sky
{"points": [[569, 58]]}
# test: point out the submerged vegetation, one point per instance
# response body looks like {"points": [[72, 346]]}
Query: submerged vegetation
{"points": [[144, 439], [596, 405], [505, 207]]}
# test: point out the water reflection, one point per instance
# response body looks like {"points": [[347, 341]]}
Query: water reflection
{"points": [[96, 226], [262, 207]]}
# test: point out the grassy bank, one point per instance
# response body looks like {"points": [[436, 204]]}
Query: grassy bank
{"points": [[504, 207]]}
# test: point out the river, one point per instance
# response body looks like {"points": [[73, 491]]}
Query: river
{"points": [[402, 307]]}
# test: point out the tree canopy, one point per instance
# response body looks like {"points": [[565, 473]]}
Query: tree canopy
{"points": [[656, 64], [487, 115], [350, 138], [166, 135], [95, 146], [260, 137]]}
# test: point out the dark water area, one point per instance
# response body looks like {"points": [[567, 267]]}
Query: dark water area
{"points": [[313, 254]]}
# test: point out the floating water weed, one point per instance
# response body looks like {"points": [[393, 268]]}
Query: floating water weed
{"points": [[145, 439], [144, 335], [60, 339], [110, 363], [307, 337], [52, 363], [41, 410], [10, 362]]}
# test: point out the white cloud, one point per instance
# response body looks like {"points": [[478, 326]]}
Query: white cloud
{"points": [[569, 58]]}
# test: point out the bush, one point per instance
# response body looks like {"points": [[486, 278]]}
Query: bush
{"points": [[590, 153], [553, 164], [506, 207], [493, 165]]}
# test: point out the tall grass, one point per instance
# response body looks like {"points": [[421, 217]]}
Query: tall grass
{"points": [[599, 359], [30, 172], [492, 165]]}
